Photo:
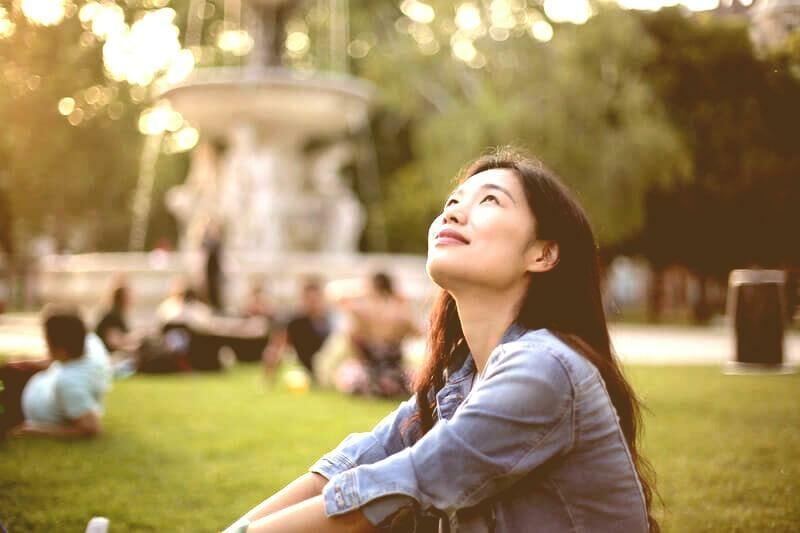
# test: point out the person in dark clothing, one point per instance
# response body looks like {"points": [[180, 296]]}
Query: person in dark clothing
{"points": [[306, 331], [212, 244], [6, 249], [5, 224], [113, 327]]}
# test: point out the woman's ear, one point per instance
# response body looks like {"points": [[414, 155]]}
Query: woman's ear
{"points": [[542, 256]]}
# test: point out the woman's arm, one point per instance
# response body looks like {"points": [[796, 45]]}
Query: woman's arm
{"points": [[309, 515], [358, 448], [516, 419], [301, 489]]}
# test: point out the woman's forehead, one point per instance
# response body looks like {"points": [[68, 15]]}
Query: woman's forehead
{"points": [[504, 177]]}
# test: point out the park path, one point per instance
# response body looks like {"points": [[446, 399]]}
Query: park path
{"points": [[636, 344], [665, 345]]}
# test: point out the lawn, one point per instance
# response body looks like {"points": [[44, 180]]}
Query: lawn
{"points": [[191, 453]]}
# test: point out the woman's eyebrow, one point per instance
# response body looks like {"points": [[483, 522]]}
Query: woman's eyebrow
{"points": [[499, 188]]}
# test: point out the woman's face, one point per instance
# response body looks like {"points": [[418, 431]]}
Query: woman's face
{"points": [[485, 234]]}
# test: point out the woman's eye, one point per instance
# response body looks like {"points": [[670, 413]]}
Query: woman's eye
{"points": [[450, 202], [491, 198]]}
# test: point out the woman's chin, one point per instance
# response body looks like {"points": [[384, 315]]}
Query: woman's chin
{"points": [[445, 274]]}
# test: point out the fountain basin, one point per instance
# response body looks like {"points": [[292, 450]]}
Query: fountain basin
{"points": [[276, 100], [85, 279]]}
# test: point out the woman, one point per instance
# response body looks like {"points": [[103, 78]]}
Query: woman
{"points": [[521, 418]]}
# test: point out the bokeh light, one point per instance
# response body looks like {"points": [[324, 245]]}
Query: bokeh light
{"points": [[701, 5], [693, 5], [574, 11], [236, 42], [105, 20], [150, 46], [418, 11], [463, 49], [66, 105], [159, 119], [76, 117], [541, 30], [182, 140], [502, 15], [44, 12], [468, 16], [645, 5], [358, 48], [7, 27], [297, 42]]}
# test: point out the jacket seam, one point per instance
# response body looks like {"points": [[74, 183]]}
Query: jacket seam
{"points": [[566, 506], [631, 464], [574, 393]]}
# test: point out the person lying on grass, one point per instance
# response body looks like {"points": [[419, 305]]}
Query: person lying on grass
{"points": [[62, 397], [522, 419]]}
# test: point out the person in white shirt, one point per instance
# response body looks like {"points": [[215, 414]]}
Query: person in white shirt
{"points": [[66, 398]]}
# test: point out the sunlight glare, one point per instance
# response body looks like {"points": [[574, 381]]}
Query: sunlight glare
{"points": [[44, 12], [574, 11]]}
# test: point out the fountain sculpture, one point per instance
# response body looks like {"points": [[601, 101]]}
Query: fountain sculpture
{"points": [[285, 210]]}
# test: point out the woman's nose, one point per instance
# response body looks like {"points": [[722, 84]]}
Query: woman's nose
{"points": [[454, 213]]}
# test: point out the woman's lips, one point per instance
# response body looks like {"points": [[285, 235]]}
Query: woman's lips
{"points": [[448, 240], [449, 236]]}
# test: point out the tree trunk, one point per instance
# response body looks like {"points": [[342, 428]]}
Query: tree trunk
{"points": [[701, 312], [655, 295]]}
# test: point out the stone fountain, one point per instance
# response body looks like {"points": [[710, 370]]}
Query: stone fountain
{"points": [[286, 212]]}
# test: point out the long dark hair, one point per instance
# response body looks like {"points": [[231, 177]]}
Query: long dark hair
{"points": [[566, 300]]}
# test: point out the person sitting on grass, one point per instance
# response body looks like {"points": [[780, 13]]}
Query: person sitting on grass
{"points": [[521, 419], [305, 331], [65, 397], [379, 320], [113, 327]]}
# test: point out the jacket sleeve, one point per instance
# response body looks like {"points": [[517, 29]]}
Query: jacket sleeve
{"points": [[388, 437], [517, 418]]}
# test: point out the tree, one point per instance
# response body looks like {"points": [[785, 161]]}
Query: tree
{"points": [[578, 101], [739, 117]]}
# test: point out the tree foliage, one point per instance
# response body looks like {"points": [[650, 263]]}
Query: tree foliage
{"points": [[673, 133], [579, 102], [738, 114]]}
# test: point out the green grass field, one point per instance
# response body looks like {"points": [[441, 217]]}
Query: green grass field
{"points": [[191, 453]]}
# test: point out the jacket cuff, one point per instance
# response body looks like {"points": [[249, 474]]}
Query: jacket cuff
{"points": [[389, 511], [393, 512], [331, 464], [339, 494]]}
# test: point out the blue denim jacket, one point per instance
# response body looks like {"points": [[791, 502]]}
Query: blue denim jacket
{"points": [[535, 445]]}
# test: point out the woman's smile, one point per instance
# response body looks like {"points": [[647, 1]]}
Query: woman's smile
{"points": [[450, 236]]}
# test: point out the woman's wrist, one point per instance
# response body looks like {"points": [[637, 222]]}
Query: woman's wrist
{"points": [[240, 526]]}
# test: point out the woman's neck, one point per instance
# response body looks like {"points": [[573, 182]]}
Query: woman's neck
{"points": [[485, 316]]}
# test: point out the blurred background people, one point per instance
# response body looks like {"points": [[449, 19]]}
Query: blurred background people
{"points": [[62, 396], [192, 335], [256, 303], [113, 328], [212, 245], [378, 321], [305, 331]]}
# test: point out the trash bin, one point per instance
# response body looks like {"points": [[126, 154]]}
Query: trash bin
{"points": [[756, 310]]}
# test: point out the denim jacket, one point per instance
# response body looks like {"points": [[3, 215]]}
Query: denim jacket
{"points": [[535, 445]]}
